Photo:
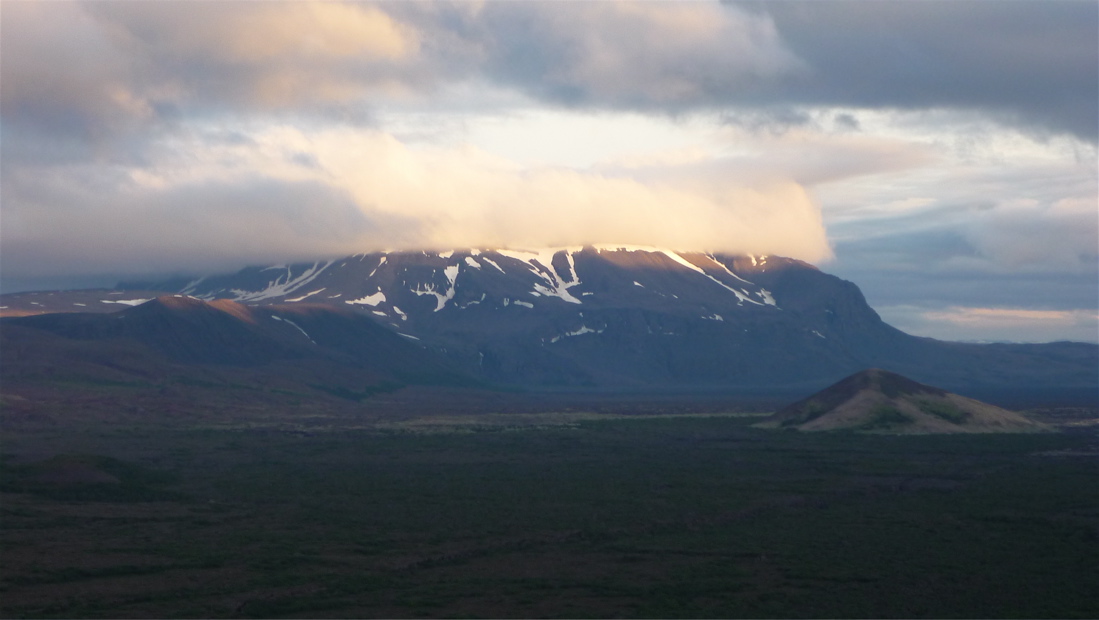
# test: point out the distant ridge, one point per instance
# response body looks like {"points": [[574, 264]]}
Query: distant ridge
{"points": [[876, 400]]}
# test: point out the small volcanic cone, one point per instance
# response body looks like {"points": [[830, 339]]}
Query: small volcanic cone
{"points": [[879, 401]]}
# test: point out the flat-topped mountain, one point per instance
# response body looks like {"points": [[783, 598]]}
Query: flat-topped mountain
{"points": [[615, 317], [876, 400]]}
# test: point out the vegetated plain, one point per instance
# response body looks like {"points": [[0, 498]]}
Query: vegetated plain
{"points": [[562, 514]]}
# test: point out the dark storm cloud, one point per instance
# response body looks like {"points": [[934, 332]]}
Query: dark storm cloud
{"points": [[96, 71], [644, 56], [1028, 64], [1033, 63]]}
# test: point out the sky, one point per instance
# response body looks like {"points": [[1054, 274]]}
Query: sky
{"points": [[942, 155]]}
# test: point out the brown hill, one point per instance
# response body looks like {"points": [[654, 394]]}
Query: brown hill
{"points": [[879, 401]]}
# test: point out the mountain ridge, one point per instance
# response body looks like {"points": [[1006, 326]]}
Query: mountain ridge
{"points": [[629, 317]]}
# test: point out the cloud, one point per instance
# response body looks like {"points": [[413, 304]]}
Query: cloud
{"points": [[633, 55], [1012, 206], [97, 72], [974, 237], [1023, 234], [816, 158], [63, 75], [467, 197], [995, 324], [1027, 64], [1006, 316], [251, 35], [66, 229], [284, 194], [1030, 65], [275, 54], [93, 71]]}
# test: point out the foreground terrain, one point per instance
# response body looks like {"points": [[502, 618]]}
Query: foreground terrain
{"points": [[543, 514]]}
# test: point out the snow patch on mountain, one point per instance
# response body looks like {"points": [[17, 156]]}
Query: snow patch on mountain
{"points": [[727, 270], [541, 263], [375, 270], [451, 273], [282, 285], [369, 300], [584, 329], [429, 289], [473, 302], [190, 288], [740, 295], [307, 295], [294, 325]]}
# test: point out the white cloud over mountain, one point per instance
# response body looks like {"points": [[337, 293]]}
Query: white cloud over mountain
{"points": [[336, 192]]}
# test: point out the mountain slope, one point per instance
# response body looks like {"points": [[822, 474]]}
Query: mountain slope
{"points": [[304, 340]]}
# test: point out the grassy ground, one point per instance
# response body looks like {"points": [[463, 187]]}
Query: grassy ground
{"points": [[558, 515]]}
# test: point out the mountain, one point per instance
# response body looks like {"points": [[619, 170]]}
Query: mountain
{"points": [[313, 343], [875, 400], [615, 318]]}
